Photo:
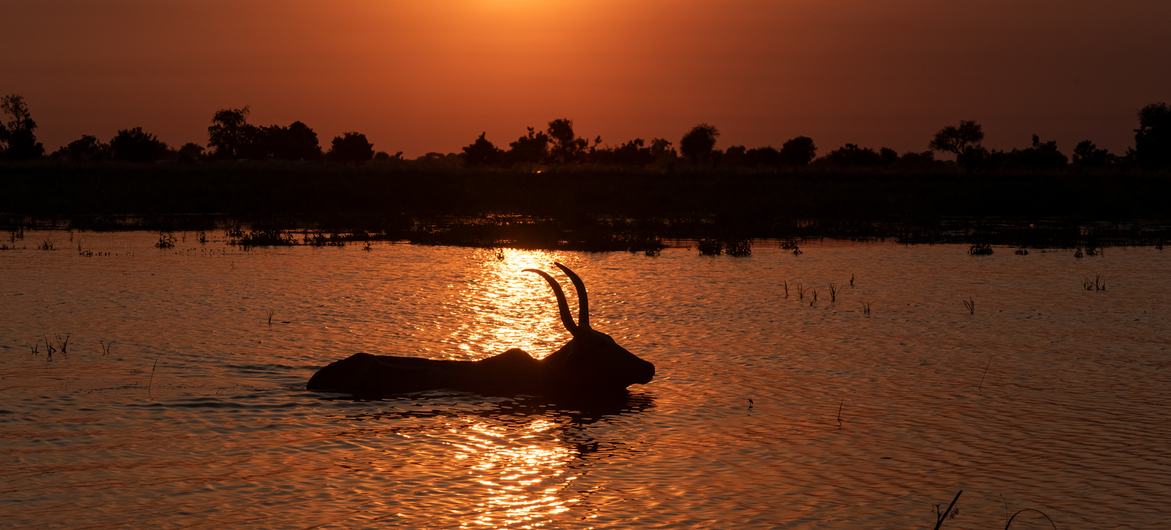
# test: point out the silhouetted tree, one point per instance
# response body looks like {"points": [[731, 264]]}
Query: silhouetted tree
{"points": [[1152, 139], [957, 140], [735, 156], [763, 156], [351, 147], [295, 142], [85, 149], [18, 133], [1039, 156], [1086, 155], [566, 146], [924, 159], [230, 136], [482, 152], [851, 155], [698, 143], [137, 145], [888, 156], [190, 152], [799, 151], [532, 148], [661, 150]]}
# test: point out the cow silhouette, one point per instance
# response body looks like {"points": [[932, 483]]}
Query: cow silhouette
{"points": [[591, 364]]}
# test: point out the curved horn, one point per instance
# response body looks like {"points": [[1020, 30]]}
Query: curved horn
{"points": [[562, 304], [583, 301]]}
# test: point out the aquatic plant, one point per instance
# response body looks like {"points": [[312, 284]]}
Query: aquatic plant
{"points": [[268, 237], [866, 308], [710, 247], [980, 249], [970, 304], [786, 285], [166, 241], [833, 292], [46, 245], [105, 346], [851, 279], [738, 248], [1098, 284]]}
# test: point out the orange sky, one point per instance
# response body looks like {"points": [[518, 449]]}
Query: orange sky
{"points": [[429, 75]]}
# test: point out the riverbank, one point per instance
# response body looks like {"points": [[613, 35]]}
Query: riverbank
{"points": [[592, 208]]}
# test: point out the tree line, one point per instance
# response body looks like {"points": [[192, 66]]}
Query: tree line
{"points": [[232, 137]]}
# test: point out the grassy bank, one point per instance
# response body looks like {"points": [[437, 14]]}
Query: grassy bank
{"points": [[590, 205]]}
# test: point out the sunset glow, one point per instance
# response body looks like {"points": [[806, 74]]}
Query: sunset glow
{"points": [[429, 76]]}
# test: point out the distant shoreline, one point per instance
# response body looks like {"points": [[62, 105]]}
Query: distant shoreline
{"points": [[592, 208]]}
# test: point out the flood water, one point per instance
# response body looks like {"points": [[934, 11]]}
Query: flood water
{"points": [[1047, 396]]}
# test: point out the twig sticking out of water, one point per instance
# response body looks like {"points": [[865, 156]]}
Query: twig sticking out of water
{"points": [[851, 279], [34, 349], [150, 383], [270, 313], [971, 305], [813, 302], [866, 308], [840, 405], [986, 367], [1034, 510], [105, 346], [950, 513], [833, 292], [801, 292], [786, 284]]}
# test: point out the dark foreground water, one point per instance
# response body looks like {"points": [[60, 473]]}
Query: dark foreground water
{"points": [[1049, 396]]}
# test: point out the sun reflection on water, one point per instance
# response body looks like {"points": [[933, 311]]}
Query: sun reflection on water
{"points": [[512, 308], [522, 469]]}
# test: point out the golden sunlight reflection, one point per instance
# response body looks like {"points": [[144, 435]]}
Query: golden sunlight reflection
{"points": [[511, 308], [523, 470]]}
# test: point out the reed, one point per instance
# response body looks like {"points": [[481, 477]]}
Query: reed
{"points": [[801, 292], [980, 386], [970, 304], [851, 280], [105, 347], [866, 308], [150, 383], [46, 245], [833, 292], [786, 285], [1097, 284], [63, 343], [813, 301], [270, 315]]}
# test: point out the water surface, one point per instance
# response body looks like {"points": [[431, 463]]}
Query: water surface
{"points": [[1048, 396]]}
